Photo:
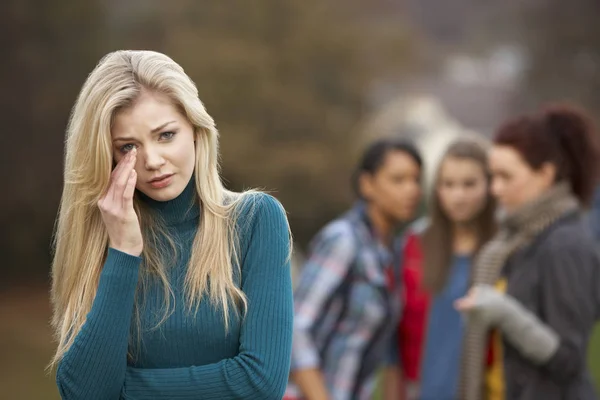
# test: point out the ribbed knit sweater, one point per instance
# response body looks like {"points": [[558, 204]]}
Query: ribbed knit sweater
{"points": [[189, 356]]}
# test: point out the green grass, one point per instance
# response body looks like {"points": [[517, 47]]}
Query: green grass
{"points": [[594, 356]]}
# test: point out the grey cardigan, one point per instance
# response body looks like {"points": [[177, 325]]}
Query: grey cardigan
{"points": [[557, 277]]}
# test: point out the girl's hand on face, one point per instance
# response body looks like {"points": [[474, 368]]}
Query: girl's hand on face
{"points": [[116, 207]]}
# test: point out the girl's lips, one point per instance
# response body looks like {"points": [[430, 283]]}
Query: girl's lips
{"points": [[162, 182]]}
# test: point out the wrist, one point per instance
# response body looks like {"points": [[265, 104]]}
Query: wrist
{"points": [[491, 305]]}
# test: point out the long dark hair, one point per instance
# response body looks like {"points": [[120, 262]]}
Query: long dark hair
{"points": [[438, 236]]}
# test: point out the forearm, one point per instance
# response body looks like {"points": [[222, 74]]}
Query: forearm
{"points": [[260, 371], [311, 384], [241, 377], [536, 341], [94, 366]]}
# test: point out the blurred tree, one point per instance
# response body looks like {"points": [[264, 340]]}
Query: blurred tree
{"points": [[564, 43], [48, 48], [287, 82]]}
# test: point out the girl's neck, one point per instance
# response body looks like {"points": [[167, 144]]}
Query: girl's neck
{"points": [[464, 238], [382, 225]]}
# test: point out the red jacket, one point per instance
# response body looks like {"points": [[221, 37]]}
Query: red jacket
{"points": [[412, 329], [413, 324]]}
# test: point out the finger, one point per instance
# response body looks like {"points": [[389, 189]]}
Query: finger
{"points": [[129, 190], [120, 165], [458, 304], [463, 304], [121, 180], [114, 174]]}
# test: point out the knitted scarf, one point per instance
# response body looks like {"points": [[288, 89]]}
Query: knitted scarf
{"points": [[515, 232]]}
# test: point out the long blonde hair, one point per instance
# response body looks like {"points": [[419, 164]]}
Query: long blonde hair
{"points": [[81, 239]]}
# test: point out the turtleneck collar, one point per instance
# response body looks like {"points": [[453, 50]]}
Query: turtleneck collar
{"points": [[184, 207]]}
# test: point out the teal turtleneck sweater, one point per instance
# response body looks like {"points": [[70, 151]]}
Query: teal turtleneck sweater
{"points": [[189, 356]]}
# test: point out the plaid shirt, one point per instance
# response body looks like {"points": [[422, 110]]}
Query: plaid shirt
{"points": [[346, 310]]}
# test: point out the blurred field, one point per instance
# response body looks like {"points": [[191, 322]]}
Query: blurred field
{"points": [[594, 357], [26, 347]]}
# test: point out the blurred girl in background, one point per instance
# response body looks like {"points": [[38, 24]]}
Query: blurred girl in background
{"points": [[437, 257], [347, 300], [537, 283]]}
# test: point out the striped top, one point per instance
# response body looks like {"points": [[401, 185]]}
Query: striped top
{"points": [[345, 312]]}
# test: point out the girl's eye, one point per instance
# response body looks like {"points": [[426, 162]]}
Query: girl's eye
{"points": [[127, 147], [167, 135]]}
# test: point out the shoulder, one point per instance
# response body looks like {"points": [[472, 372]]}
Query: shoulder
{"points": [[568, 249], [569, 264], [254, 211], [570, 234], [255, 207], [248, 203], [414, 232], [340, 230], [338, 238], [419, 226]]}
